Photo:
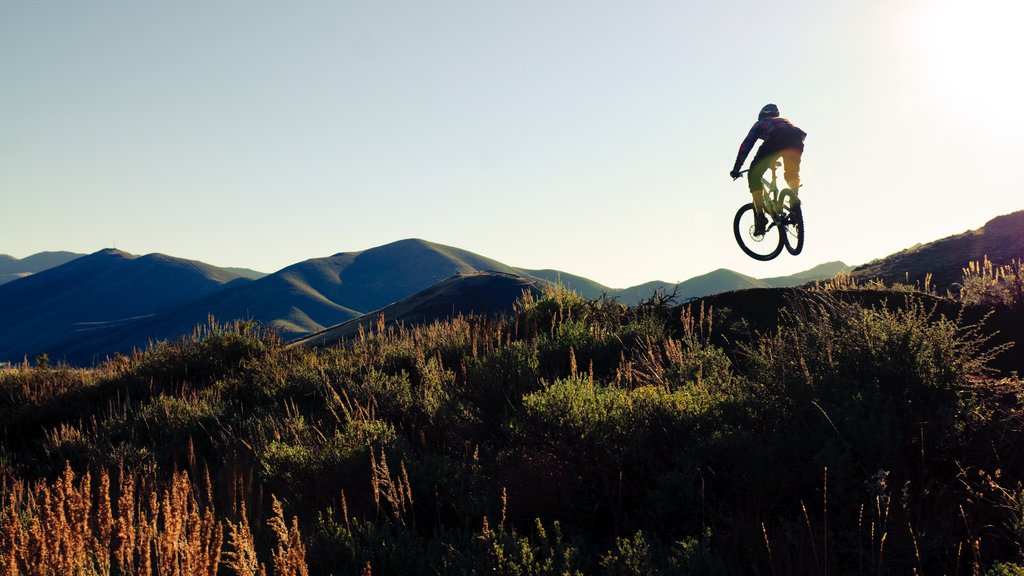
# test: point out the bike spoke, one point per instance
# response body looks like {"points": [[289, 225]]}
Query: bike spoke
{"points": [[763, 247]]}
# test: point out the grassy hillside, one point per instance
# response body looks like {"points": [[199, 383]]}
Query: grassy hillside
{"points": [[941, 262], [481, 293], [840, 431]]}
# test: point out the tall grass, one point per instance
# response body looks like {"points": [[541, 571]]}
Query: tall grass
{"points": [[570, 436]]}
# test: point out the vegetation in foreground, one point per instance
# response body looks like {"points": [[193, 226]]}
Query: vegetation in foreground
{"points": [[570, 437]]}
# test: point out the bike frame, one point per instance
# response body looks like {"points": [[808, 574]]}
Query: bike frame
{"points": [[770, 193]]}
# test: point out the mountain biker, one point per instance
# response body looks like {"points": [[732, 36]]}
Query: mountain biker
{"points": [[781, 140]]}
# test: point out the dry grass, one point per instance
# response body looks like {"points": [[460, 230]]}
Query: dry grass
{"points": [[986, 283], [73, 526]]}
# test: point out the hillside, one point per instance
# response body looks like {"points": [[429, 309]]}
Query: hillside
{"points": [[1001, 240], [743, 315], [12, 268], [480, 293]]}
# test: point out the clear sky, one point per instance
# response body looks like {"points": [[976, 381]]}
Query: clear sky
{"points": [[590, 136]]}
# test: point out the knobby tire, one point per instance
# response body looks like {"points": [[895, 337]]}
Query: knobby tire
{"points": [[793, 233]]}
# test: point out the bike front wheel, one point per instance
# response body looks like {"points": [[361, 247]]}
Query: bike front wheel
{"points": [[792, 223], [763, 247]]}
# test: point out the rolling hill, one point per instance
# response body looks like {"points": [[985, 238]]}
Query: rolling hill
{"points": [[52, 309], [12, 268]]}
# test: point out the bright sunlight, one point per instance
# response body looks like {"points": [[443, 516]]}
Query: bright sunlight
{"points": [[970, 60]]}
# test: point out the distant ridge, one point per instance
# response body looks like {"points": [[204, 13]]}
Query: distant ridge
{"points": [[824, 271], [49, 310], [714, 282], [12, 268], [1000, 239]]}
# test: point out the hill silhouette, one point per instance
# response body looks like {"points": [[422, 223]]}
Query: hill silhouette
{"points": [[1001, 240], [12, 268]]}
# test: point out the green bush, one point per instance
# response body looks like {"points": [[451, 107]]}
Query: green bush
{"points": [[300, 453], [1005, 569], [638, 453]]}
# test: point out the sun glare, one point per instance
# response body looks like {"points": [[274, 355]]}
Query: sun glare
{"points": [[971, 54]]}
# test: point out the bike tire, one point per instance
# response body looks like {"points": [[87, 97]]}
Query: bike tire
{"points": [[793, 223], [767, 247]]}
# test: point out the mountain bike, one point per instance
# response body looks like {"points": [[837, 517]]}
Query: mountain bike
{"points": [[785, 222]]}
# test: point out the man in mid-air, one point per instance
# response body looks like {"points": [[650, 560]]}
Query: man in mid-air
{"points": [[781, 140]]}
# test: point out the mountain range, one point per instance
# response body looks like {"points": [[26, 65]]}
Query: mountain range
{"points": [[110, 301], [89, 307]]}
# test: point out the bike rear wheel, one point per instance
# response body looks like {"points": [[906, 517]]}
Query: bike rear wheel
{"points": [[764, 247], [793, 223]]}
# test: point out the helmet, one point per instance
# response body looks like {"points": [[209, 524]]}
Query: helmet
{"points": [[769, 111]]}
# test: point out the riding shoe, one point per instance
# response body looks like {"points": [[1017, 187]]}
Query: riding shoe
{"points": [[760, 222]]}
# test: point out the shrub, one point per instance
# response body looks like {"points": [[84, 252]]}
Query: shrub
{"points": [[988, 284]]}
